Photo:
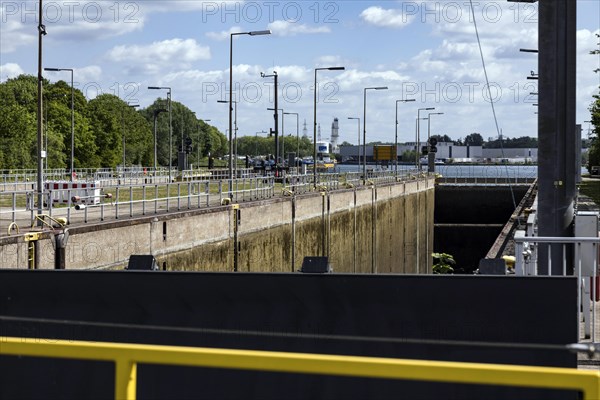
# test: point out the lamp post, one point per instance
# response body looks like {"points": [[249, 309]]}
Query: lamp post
{"points": [[430, 155], [275, 114], [155, 114], [358, 120], [396, 135], [282, 137], [169, 96], [72, 116], [233, 146], [315, 121], [297, 135], [251, 33], [40, 108], [418, 136], [365, 129]]}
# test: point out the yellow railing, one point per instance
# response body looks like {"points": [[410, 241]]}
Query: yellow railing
{"points": [[127, 356]]}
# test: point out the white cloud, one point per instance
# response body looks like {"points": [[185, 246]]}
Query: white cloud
{"points": [[223, 35], [287, 28], [167, 52], [10, 70], [391, 18], [335, 61]]}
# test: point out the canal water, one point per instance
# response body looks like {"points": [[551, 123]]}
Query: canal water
{"points": [[462, 171]]}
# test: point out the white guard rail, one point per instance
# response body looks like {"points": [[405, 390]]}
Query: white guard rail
{"points": [[584, 264]]}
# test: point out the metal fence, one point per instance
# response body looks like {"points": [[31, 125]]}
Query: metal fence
{"points": [[104, 196], [583, 264], [126, 358], [516, 180]]}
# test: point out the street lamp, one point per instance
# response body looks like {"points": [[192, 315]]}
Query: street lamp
{"points": [[232, 146], [72, 171], [251, 33], [430, 155], [155, 114], [275, 114], [282, 138], [396, 140], [418, 136], [365, 129], [297, 135], [315, 121], [357, 120], [40, 108], [168, 89]]}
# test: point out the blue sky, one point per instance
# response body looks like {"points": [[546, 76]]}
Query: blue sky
{"points": [[425, 50]]}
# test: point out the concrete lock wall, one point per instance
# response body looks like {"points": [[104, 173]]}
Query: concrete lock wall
{"points": [[396, 220]]}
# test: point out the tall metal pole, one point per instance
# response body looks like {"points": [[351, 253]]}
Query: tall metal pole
{"points": [[430, 154], [155, 144], [230, 114], [315, 133], [235, 139], [396, 141], [72, 128], [556, 127], [123, 128], [365, 130], [396, 135], [297, 135], [276, 117], [315, 122], [170, 135], [358, 145], [418, 138], [40, 90], [365, 137]]}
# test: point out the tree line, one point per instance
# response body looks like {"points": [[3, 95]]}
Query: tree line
{"points": [[476, 139], [105, 124]]}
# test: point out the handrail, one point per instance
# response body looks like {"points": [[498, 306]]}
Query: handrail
{"points": [[127, 356]]}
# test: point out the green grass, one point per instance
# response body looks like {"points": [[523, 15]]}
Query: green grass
{"points": [[591, 188]]}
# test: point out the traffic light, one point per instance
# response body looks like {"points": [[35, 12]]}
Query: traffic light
{"points": [[433, 149], [424, 150]]}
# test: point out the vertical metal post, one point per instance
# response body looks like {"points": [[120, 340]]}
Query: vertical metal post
{"points": [[40, 90], [276, 117], [556, 125], [170, 136], [72, 126]]}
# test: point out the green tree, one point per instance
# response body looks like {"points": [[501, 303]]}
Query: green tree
{"points": [[474, 139], [443, 138], [18, 123]]}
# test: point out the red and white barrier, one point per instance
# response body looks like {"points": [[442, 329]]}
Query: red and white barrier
{"points": [[87, 192]]}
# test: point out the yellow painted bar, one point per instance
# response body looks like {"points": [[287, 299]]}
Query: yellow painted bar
{"points": [[125, 379], [127, 355]]}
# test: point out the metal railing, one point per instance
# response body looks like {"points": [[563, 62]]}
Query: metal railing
{"points": [[139, 194], [486, 180], [127, 356], [584, 265], [116, 201]]}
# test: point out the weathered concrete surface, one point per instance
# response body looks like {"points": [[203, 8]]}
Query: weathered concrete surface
{"points": [[396, 220], [469, 218]]}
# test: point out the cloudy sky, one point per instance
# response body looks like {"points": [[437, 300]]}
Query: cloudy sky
{"points": [[425, 50]]}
